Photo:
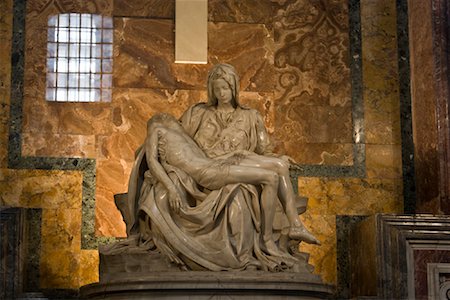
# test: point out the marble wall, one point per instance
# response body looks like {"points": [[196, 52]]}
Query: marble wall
{"points": [[301, 77], [5, 77], [381, 188]]}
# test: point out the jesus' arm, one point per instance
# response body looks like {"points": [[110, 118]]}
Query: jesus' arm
{"points": [[157, 170]]}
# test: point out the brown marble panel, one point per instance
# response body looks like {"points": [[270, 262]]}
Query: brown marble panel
{"points": [[108, 220], [313, 78], [238, 11], [35, 63], [60, 248], [232, 11], [40, 188], [113, 175], [5, 46], [66, 118], [244, 41], [384, 161], [58, 145], [380, 72], [5, 77], [304, 124], [39, 116], [145, 8], [144, 55], [263, 102], [38, 11], [118, 146], [351, 196], [6, 19], [311, 41], [84, 118]]}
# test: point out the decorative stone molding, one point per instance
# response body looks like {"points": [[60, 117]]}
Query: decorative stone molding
{"points": [[389, 253]]}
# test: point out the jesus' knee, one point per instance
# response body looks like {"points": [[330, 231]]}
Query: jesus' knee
{"points": [[282, 167], [271, 179]]}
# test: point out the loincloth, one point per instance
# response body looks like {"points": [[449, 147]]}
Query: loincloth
{"points": [[213, 176]]}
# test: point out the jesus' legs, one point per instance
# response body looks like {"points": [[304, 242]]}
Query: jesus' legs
{"points": [[285, 192], [269, 180]]}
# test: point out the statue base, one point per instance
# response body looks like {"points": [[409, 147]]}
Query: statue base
{"points": [[144, 276]]}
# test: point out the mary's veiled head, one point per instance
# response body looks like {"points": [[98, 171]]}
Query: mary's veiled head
{"points": [[227, 73]]}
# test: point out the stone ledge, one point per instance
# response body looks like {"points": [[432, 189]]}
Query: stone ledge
{"points": [[211, 285]]}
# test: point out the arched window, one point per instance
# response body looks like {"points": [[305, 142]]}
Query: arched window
{"points": [[79, 58]]}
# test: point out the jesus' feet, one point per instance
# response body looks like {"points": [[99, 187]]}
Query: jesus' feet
{"points": [[302, 234], [271, 248]]}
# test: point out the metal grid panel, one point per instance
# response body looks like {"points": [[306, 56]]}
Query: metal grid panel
{"points": [[79, 58]]}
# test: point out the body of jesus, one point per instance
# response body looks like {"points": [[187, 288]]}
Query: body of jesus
{"points": [[168, 143]]}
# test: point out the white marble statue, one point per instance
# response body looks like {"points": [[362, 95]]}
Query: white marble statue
{"points": [[208, 194]]}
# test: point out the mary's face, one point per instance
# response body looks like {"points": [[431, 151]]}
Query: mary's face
{"points": [[222, 91]]}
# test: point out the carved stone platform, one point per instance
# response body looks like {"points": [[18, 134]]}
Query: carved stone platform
{"points": [[140, 276]]}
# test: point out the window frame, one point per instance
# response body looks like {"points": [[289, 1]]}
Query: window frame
{"points": [[79, 58]]}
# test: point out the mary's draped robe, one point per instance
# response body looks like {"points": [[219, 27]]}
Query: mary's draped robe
{"points": [[216, 230]]}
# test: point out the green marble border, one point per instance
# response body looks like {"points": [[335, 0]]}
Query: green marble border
{"points": [[88, 166], [404, 74]]}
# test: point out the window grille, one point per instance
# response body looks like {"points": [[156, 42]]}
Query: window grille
{"points": [[79, 58]]}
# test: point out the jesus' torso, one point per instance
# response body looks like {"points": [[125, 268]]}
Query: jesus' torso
{"points": [[179, 150]]}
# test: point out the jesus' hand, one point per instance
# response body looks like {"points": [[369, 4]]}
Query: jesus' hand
{"points": [[175, 200]]}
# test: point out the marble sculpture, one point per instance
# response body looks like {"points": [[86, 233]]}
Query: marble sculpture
{"points": [[208, 194]]}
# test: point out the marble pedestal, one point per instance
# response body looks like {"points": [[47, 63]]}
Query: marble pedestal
{"points": [[144, 276], [400, 257]]}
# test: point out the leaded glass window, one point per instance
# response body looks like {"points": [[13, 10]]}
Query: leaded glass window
{"points": [[79, 58]]}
